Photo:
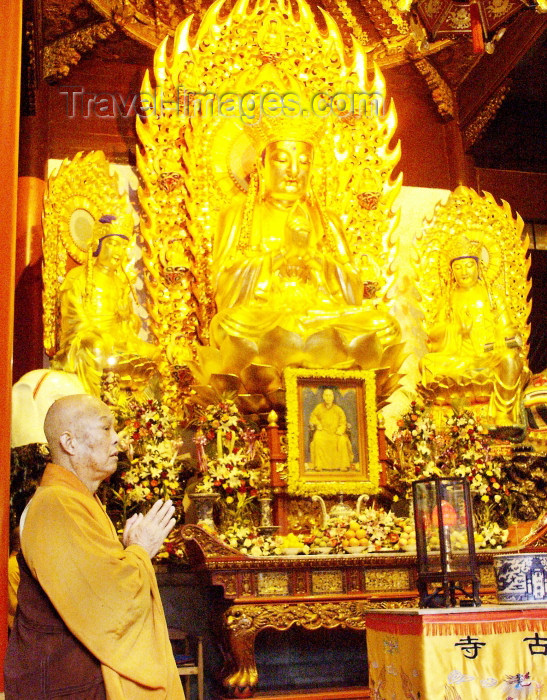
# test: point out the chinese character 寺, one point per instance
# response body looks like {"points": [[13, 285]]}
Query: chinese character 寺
{"points": [[470, 646]]}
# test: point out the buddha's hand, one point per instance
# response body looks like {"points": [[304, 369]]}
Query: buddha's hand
{"points": [[150, 530], [295, 268]]}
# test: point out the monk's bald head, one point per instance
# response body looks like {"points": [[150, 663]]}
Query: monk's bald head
{"points": [[82, 438], [69, 413]]}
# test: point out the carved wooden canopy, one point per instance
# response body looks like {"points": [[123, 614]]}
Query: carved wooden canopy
{"points": [[464, 86]]}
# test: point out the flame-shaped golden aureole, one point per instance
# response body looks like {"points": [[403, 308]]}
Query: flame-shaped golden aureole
{"points": [[478, 329], [192, 168], [88, 309]]}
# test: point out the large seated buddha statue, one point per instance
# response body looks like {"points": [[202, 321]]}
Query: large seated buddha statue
{"points": [[281, 262], [99, 329], [475, 339], [280, 200]]}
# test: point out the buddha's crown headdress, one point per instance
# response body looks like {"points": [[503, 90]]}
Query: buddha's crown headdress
{"points": [[275, 108], [104, 228], [460, 246]]}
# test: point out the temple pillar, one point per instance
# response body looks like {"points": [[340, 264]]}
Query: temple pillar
{"points": [[461, 166], [28, 326], [10, 60], [33, 154]]}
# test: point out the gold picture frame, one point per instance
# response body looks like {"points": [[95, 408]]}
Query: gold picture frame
{"points": [[332, 435]]}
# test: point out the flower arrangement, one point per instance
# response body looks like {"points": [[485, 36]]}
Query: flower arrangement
{"points": [[415, 444], [232, 458], [466, 453], [153, 465], [249, 541], [459, 447]]}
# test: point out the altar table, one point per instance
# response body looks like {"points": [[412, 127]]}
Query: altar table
{"points": [[333, 591], [494, 652]]}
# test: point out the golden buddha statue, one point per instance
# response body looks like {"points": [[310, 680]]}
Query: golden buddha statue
{"points": [[270, 277], [280, 260], [98, 327], [474, 340]]}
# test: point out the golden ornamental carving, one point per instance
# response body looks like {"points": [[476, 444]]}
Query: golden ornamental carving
{"points": [[487, 576], [149, 21], [346, 13], [440, 90], [146, 20], [209, 545], [489, 599], [247, 620], [497, 8], [381, 10], [62, 54], [247, 584], [459, 19], [273, 583], [386, 580], [354, 577], [76, 197], [407, 604], [228, 581], [475, 129], [327, 582]]}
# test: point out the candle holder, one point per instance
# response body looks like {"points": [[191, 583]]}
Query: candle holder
{"points": [[447, 563], [266, 527]]}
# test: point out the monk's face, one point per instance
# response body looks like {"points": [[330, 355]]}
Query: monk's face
{"points": [[328, 397], [97, 441], [466, 272], [287, 166]]}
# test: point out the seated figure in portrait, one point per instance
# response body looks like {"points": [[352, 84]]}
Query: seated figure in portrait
{"points": [[330, 446], [280, 260], [98, 327], [474, 339]]}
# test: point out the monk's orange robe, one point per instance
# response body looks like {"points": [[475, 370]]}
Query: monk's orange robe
{"points": [[106, 594]]}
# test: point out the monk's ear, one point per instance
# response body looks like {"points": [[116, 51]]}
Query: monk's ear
{"points": [[67, 441]]}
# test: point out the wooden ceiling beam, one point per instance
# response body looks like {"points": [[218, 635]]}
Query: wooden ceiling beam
{"points": [[493, 71]]}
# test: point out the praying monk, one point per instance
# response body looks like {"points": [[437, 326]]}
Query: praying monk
{"points": [[90, 622]]}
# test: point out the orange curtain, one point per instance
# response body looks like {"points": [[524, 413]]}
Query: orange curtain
{"points": [[10, 61]]}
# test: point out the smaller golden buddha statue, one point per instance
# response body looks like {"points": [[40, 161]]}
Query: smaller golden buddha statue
{"points": [[280, 260], [475, 345], [99, 329]]}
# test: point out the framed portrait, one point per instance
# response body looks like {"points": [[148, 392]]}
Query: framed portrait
{"points": [[332, 434]]}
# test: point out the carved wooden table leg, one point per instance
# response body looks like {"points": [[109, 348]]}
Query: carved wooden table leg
{"points": [[241, 633]]}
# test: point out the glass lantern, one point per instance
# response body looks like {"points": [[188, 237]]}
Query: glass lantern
{"points": [[447, 563]]}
